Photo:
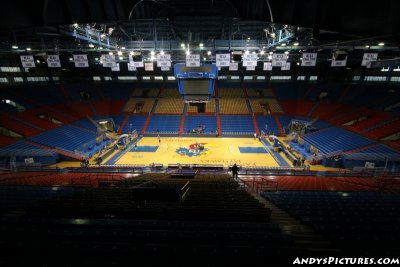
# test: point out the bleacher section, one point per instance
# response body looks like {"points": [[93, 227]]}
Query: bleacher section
{"points": [[256, 106], [335, 139], [210, 123], [139, 105], [361, 223], [135, 122], [274, 105], [170, 93], [23, 150], [67, 138], [164, 123], [169, 106], [233, 106], [230, 92], [237, 124], [268, 124]]}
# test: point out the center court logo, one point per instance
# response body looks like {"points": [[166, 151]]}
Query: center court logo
{"points": [[193, 150]]}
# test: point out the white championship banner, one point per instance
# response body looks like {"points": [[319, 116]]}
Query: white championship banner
{"points": [[267, 66], [369, 57], [163, 60], [193, 60], [131, 67], [279, 60], [339, 63], [222, 60], [115, 67], [233, 66], [249, 60], [286, 66], [108, 60], [81, 61], [27, 61], [53, 61], [309, 59]]}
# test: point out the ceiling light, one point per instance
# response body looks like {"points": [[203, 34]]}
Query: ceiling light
{"points": [[248, 38], [110, 53], [121, 58], [101, 48], [367, 46], [246, 52], [123, 48], [182, 45], [286, 52], [37, 60], [70, 59], [296, 44], [28, 49], [97, 59], [298, 63], [131, 53], [162, 52], [14, 47], [273, 34], [381, 44], [262, 52], [270, 57], [271, 53], [187, 52], [204, 58], [253, 52], [152, 53], [119, 53], [75, 25], [209, 53], [283, 44], [91, 45], [201, 44]]}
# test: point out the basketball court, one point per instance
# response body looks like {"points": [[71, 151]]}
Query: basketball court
{"points": [[246, 152]]}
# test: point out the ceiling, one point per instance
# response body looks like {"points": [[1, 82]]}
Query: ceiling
{"points": [[219, 25]]}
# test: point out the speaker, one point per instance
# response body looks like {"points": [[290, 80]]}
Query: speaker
{"points": [[340, 55], [201, 108], [137, 57], [236, 57]]}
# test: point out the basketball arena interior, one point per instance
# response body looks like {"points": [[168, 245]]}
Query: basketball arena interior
{"points": [[123, 124]]}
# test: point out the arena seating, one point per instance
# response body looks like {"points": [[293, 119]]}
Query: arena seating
{"points": [[362, 223], [334, 139], [135, 122], [169, 106], [233, 106], [269, 121], [237, 124], [256, 107], [22, 150], [18, 127], [164, 123], [209, 107], [65, 137], [210, 123]]}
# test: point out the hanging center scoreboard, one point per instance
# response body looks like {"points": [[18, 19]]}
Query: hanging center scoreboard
{"points": [[196, 84]]}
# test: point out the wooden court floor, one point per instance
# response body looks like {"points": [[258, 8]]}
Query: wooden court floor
{"points": [[247, 152]]}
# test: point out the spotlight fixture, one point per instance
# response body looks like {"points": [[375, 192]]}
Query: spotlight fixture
{"points": [[296, 44], [162, 52], [152, 53], [182, 45], [110, 53], [28, 49], [123, 48], [209, 53], [201, 44], [187, 52], [286, 52], [14, 47], [262, 52], [381, 44], [246, 52], [283, 44]]}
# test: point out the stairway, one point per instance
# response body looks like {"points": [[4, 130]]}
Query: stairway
{"points": [[278, 122], [146, 124], [182, 124], [121, 127], [57, 150]]}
